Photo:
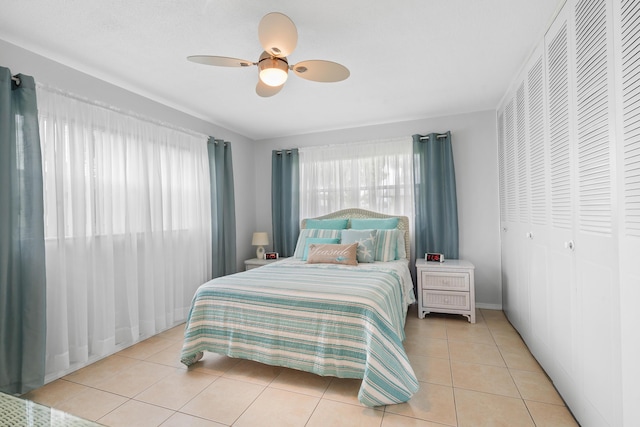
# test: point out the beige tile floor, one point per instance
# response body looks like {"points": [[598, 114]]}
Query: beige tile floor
{"points": [[470, 375]]}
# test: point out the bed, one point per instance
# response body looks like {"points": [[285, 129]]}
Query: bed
{"points": [[331, 319]]}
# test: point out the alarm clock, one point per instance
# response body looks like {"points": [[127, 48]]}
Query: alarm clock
{"points": [[434, 257], [271, 255]]}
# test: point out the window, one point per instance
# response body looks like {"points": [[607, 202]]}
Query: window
{"points": [[127, 227], [373, 175]]}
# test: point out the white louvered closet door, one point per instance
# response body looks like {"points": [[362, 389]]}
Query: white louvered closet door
{"points": [[523, 251], [510, 214], [628, 77], [506, 171], [596, 235], [537, 236], [562, 301]]}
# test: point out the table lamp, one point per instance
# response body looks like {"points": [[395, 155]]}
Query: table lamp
{"points": [[260, 239]]}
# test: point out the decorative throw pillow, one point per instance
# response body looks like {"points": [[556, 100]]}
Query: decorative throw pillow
{"points": [[306, 233], [311, 240], [374, 223], [321, 253], [327, 224], [387, 245], [366, 240], [400, 246]]}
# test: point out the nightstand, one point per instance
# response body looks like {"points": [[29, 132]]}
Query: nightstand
{"points": [[256, 262], [446, 287]]}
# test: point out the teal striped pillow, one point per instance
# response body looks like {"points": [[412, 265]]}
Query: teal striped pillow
{"points": [[401, 248], [312, 232], [387, 245]]}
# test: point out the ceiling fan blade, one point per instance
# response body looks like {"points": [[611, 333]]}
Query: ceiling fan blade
{"points": [[321, 71], [266, 91], [278, 34], [220, 61]]}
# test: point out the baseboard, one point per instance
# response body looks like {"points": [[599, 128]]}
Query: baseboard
{"points": [[489, 306]]}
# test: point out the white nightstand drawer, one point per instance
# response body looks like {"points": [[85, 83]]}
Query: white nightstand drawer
{"points": [[447, 281], [444, 299]]}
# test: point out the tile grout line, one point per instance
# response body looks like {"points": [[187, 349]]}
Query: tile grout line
{"points": [[129, 399], [453, 388]]}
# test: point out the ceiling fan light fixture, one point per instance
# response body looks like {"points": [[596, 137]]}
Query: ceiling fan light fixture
{"points": [[273, 71], [278, 36]]}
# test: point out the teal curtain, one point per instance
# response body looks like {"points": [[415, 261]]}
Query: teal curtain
{"points": [[223, 208], [285, 200], [22, 259], [436, 206]]}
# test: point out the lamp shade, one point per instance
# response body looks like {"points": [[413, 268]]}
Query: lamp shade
{"points": [[260, 238], [273, 71]]}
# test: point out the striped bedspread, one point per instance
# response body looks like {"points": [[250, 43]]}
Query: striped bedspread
{"points": [[328, 319]]}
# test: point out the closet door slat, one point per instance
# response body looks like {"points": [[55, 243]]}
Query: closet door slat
{"points": [[537, 160], [631, 114], [592, 108], [521, 145], [560, 155], [511, 166], [501, 169]]}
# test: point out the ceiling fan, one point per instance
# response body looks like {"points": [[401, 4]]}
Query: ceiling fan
{"points": [[278, 36]]}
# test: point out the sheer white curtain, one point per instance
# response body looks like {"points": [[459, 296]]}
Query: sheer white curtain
{"points": [[374, 175], [127, 227]]}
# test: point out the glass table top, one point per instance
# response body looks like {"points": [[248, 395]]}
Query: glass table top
{"points": [[16, 412]]}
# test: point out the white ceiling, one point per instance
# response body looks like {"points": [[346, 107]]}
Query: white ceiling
{"points": [[409, 59]]}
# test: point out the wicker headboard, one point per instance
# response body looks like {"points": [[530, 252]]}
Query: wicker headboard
{"points": [[403, 222]]}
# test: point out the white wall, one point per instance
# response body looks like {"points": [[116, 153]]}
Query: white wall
{"points": [[475, 156], [58, 75]]}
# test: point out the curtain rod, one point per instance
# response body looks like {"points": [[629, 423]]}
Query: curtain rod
{"points": [[289, 151], [16, 80], [443, 135], [217, 141], [128, 113]]}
